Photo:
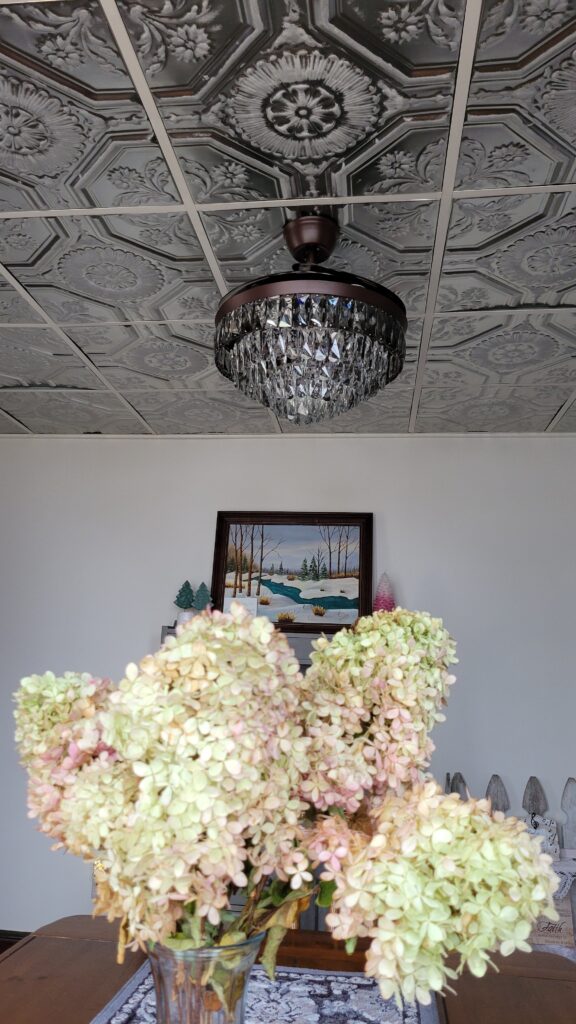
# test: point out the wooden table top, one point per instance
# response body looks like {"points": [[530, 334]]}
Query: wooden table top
{"points": [[66, 972]]}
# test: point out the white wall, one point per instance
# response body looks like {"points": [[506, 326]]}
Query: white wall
{"points": [[96, 535]]}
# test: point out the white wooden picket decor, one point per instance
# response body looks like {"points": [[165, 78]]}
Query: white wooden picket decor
{"points": [[458, 785], [535, 804], [496, 793], [568, 805]]}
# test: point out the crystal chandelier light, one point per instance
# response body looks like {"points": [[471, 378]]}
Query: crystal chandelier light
{"points": [[312, 343]]}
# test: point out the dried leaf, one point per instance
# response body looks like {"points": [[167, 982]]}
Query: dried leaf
{"points": [[273, 940]]}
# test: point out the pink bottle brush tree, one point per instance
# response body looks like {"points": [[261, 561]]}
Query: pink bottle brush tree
{"points": [[384, 600]]}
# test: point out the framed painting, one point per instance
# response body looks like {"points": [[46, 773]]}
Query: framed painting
{"points": [[310, 572]]}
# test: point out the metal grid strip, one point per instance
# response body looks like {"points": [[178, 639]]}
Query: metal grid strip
{"points": [[470, 31], [362, 199]]}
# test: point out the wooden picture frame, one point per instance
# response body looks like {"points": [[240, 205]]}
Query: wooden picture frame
{"points": [[311, 571]]}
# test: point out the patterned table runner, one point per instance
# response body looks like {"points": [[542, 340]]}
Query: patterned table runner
{"points": [[298, 996]]}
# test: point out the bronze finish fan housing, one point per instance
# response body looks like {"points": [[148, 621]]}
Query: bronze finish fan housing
{"points": [[313, 342]]}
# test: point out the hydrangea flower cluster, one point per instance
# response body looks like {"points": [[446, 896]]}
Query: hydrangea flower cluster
{"points": [[373, 694], [436, 874], [209, 769], [58, 732], [210, 756]]}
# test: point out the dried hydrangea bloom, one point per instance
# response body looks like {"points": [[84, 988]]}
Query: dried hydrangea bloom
{"points": [[439, 875], [58, 732], [373, 694], [212, 754]]}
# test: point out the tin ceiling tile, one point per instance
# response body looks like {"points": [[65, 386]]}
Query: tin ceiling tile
{"points": [[196, 412], [489, 409], [70, 412], [154, 355], [76, 133], [115, 268]]}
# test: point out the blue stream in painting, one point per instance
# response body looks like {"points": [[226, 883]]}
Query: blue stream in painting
{"points": [[294, 595]]}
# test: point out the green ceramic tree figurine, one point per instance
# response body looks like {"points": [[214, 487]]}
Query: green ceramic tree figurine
{"points": [[202, 599], [185, 597]]}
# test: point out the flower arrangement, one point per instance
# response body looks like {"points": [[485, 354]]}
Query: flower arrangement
{"points": [[215, 768]]}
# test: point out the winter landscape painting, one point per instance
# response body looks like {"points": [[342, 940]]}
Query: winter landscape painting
{"points": [[302, 570]]}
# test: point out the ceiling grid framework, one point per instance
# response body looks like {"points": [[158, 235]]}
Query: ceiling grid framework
{"points": [[149, 154]]}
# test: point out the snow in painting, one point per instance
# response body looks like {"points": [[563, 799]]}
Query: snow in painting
{"points": [[297, 573]]}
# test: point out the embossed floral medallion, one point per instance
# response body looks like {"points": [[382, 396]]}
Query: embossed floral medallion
{"points": [[509, 351], [304, 106], [104, 272], [38, 133], [542, 259]]}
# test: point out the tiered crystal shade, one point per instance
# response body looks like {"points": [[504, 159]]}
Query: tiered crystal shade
{"points": [[310, 357]]}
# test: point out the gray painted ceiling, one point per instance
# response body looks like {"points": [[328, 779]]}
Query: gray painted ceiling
{"points": [[150, 152]]}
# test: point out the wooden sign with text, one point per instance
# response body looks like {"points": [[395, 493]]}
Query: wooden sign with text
{"points": [[555, 933]]}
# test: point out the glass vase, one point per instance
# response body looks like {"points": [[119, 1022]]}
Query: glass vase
{"points": [[202, 986]]}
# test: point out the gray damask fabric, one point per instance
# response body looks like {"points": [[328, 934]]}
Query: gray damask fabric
{"points": [[297, 997]]}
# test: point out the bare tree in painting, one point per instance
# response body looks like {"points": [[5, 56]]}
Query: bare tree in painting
{"points": [[340, 542], [319, 560], [241, 560], [351, 544], [238, 536], [251, 561], [329, 535], [267, 548], [234, 536]]}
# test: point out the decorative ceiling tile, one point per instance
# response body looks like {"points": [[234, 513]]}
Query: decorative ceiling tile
{"points": [[14, 309], [10, 426], [507, 148], [74, 132], [402, 232], [567, 424], [23, 241], [412, 36], [69, 41], [213, 380], [37, 337], [516, 32], [194, 302], [307, 97], [221, 172], [525, 76], [70, 412], [479, 224], [411, 161], [246, 235], [520, 257], [184, 46], [512, 350], [386, 413], [201, 334], [39, 358], [266, 101], [195, 412], [142, 355], [466, 291], [112, 268], [490, 409]]}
